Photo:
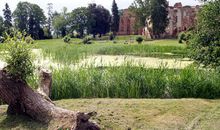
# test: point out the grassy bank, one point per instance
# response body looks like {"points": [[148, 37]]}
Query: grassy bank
{"points": [[121, 114], [71, 53], [135, 82]]}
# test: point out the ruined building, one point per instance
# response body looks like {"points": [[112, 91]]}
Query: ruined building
{"points": [[127, 24], [180, 17]]}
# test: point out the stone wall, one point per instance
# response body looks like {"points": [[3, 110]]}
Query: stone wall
{"points": [[127, 24], [181, 18]]}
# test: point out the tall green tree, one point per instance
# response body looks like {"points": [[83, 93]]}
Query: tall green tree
{"points": [[142, 9], [30, 18], [78, 20], [48, 28], [205, 42], [115, 18], [60, 22], [1, 26], [159, 17], [21, 16], [99, 20], [7, 17]]}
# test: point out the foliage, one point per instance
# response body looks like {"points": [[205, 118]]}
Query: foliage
{"points": [[60, 22], [99, 20], [142, 10], [139, 39], [87, 40], [111, 36], [155, 10], [185, 37], [159, 17], [115, 18], [67, 39], [2, 29], [49, 22], [19, 60], [30, 18], [78, 20], [7, 17], [205, 46], [29, 40], [135, 82]]}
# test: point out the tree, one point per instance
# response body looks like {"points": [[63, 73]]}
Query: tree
{"points": [[1, 26], [142, 10], [7, 17], [205, 42], [154, 11], [38, 17], [99, 20], [78, 20], [48, 28], [115, 18], [60, 22], [159, 16], [30, 18], [21, 16]]}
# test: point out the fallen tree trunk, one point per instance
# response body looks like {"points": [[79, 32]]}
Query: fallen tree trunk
{"points": [[23, 100]]}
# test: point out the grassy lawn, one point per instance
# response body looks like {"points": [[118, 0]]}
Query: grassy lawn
{"points": [[144, 114], [71, 53]]}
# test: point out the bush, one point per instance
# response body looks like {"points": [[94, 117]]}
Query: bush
{"points": [[111, 36], [205, 42], [29, 40], [67, 39], [185, 37], [87, 40], [139, 40], [19, 60], [181, 37]]}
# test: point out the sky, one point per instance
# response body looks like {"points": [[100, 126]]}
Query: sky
{"points": [[71, 4]]}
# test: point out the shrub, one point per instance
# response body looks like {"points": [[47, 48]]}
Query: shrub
{"points": [[185, 37], [67, 39], [19, 60], [29, 40], [181, 37], [111, 36], [139, 40], [205, 43], [87, 40]]}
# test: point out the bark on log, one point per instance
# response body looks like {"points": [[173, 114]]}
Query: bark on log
{"points": [[23, 100], [45, 85]]}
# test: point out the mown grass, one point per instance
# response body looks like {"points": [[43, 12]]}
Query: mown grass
{"points": [[135, 82], [137, 114]]}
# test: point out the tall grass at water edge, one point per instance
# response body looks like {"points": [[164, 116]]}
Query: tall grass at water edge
{"points": [[72, 53], [135, 82]]}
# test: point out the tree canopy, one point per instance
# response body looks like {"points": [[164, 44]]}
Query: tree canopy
{"points": [[30, 18], [115, 18], [159, 16], [7, 17], [79, 20], [1, 26], [99, 20], [206, 39]]}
